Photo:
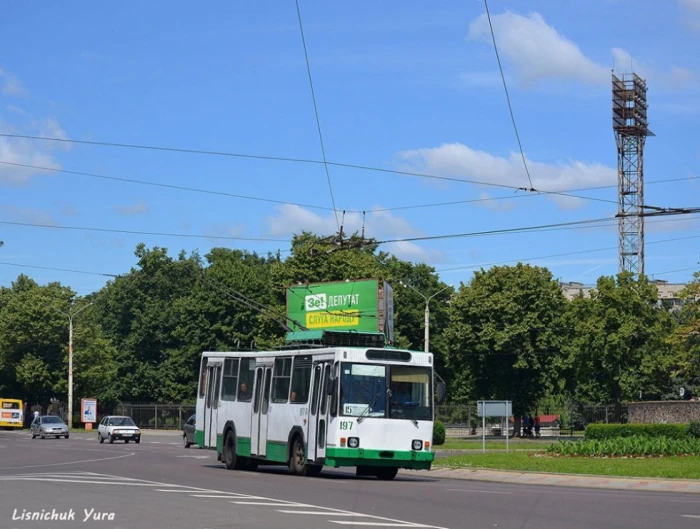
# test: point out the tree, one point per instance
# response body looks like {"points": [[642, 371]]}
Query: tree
{"points": [[617, 346], [504, 335], [685, 341], [33, 336]]}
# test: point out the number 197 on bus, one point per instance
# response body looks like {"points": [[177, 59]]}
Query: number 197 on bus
{"points": [[346, 425]]}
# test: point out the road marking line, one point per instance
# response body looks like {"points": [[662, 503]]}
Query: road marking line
{"points": [[376, 524], [70, 462], [325, 513], [482, 491], [224, 496], [196, 457], [690, 515], [89, 482], [685, 501], [270, 504], [189, 491]]}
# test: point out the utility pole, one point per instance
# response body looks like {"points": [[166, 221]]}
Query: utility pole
{"points": [[426, 340], [70, 316]]}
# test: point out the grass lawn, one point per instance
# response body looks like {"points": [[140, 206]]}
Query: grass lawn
{"points": [[664, 467], [500, 444]]}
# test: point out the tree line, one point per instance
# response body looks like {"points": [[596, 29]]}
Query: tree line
{"points": [[509, 333]]}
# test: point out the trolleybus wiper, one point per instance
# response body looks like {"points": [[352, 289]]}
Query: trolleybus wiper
{"points": [[366, 410]]}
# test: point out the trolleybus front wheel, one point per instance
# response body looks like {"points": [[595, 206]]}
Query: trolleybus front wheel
{"points": [[231, 460], [297, 462]]}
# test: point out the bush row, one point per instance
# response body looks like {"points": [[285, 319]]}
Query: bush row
{"points": [[438, 433], [635, 446], [611, 431]]}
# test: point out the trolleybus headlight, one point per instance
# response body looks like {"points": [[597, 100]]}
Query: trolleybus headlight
{"points": [[417, 444], [353, 442]]}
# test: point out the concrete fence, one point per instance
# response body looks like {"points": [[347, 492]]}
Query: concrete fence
{"points": [[664, 412]]}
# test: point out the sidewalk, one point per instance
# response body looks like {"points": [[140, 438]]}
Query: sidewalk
{"points": [[565, 480]]}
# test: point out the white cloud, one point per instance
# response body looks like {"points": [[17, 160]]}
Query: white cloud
{"points": [[378, 224], [139, 208], [460, 161], [537, 50], [24, 152], [10, 85], [27, 215]]}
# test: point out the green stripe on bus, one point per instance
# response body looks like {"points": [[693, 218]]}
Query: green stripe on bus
{"points": [[199, 437], [243, 446], [351, 457], [276, 451]]}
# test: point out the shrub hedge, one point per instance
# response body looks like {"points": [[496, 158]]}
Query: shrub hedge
{"points": [[611, 431], [438, 433], [634, 446], [694, 429]]}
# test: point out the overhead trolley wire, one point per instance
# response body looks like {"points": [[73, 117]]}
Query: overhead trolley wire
{"points": [[169, 186], [132, 232], [307, 161], [505, 87], [318, 121], [315, 206]]}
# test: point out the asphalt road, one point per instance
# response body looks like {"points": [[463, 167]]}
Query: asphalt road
{"points": [[158, 484]]}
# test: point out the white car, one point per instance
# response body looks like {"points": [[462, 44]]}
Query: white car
{"points": [[118, 427]]}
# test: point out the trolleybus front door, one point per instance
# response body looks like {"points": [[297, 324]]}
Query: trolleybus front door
{"points": [[211, 406], [261, 406], [318, 413]]}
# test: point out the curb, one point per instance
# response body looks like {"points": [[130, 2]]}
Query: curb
{"points": [[566, 480]]}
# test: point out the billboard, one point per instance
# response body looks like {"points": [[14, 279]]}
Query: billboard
{"points": [[88, 410], [363, 305]]}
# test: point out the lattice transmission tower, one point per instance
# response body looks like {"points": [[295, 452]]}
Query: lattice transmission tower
{"points": [[629, 109]]}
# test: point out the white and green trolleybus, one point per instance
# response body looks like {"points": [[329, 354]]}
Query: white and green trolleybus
{"points": [[306, 408]]}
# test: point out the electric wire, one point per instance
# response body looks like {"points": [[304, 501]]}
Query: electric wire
{"points": [[505, 87], [496, 232], [169, 186], [326, 208], [566, 254], [308, 161], [318, 121], [133, 232]]}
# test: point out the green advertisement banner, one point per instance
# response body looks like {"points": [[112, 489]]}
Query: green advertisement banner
{"points": [[360, 305]]}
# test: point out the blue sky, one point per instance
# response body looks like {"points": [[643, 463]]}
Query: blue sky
{"points": [[400, 85]]}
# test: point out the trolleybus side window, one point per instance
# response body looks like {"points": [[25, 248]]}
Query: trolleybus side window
{"points": [[230, 382], [324, 390], [245, 379], [266, 393], [317, 389], [281, 379], [203, 378], [301, 379], [334, 397]]}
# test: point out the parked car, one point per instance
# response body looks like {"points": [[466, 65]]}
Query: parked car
{"points": [[188, 431], [49, 426], [118, 427]]}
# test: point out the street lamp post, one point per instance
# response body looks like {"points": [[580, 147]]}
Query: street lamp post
{"points": [[70, 316], [426, 340]]}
